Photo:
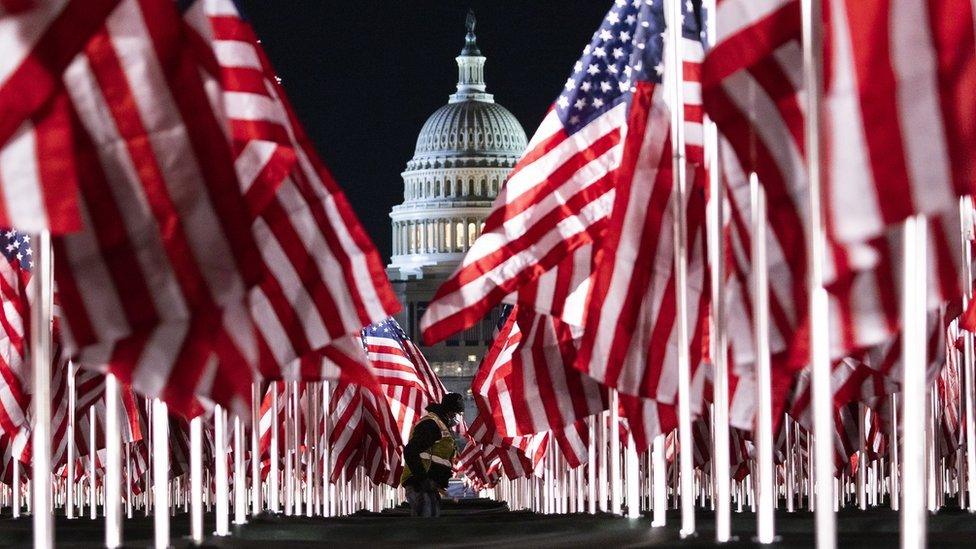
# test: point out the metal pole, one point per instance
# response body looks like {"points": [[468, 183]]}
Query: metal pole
{"points": [[113, 465], [196, 480], [633, 482], [273, 492], [591, 465], [765, 527], [659, 467], [719, 340], [614, 439], [685, 443], [913, 384], [255, 450], [602, 463], [69, 506], [895, 487], [240, 479], [220, 472], [160, 427], [790, 465], [968, 369], [823, 425], [296, 446], [41, 317], [862, 476]]}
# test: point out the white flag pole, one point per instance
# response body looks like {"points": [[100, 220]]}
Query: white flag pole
{"points": [[765, 527], [40, 364], [633, 480], [196, 480], [92, 458], [659, 467], [591, 464], [686, 446], [113, 465], [969, 368], [719, 340], [273, 491], [160, 450], [614, 440], [255, 450], [69, 506], [220, 472], [17, 488], [823, 421], [296, 445], [240, 478], [913, 384], [311, 447]]}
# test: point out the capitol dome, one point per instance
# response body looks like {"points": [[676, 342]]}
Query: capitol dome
{"points": [[463, 156]]}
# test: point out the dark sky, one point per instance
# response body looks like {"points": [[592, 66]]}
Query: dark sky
{"points": [[364, 75]]}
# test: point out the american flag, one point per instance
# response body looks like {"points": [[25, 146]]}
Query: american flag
{"points": [[14, 316], [403, 372], [323, 278]]}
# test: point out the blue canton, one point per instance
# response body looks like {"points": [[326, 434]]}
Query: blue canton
{"points": [[627, 48], [16, 247]]}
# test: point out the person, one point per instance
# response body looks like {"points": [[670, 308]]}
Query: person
{"points": [[429, 456]]}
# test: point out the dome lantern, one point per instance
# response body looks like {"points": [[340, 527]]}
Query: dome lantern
{"points": [[471, 68]]}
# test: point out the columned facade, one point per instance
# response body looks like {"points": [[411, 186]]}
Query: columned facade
{"points": [[463, 157]]}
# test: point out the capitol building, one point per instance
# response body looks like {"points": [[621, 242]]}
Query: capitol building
{"points": [[463, 156]]}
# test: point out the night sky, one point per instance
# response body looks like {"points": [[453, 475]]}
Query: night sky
{"points": [[364, 75]]}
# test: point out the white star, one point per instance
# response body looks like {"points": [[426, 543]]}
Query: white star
{"points": [[570, 84], [580, 103], [593, 69], [16, 244], [9, 234], [20, 256], [578, 67], [689, 6], [29, 251], [624, 36], [605, 86], [621, 3], [628, 70], [613, 69], [606, 35], [585, 86], [659, 69], [10, 248], [624, 85], [597, 102], [586, 50], [613, 18], [26, 238], [573, 120], [600, 52], [631, 20], [563, 101], [618, 52]]}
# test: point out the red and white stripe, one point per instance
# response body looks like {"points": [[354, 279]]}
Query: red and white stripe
{"points": [[323, 279], [899, 115]]}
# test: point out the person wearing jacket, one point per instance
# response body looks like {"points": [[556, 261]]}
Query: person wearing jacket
{"points": [[429, 456]]}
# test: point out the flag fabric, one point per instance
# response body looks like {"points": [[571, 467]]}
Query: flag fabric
{"points": [[363, 432], [322, 277], [15, 278], [889, 159], [408, 380], [164, 244], [38, 182]]}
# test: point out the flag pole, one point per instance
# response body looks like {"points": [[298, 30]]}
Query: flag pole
{"points": [[69, 506], [113, 465], [591, 465], [969, 369], [220, 472], [240, 478], [685, 443], [196, 480], [273, 495], [614, 441], [659, 470], [633, 480], [862, 477], [822, 395], [914, 389], [255, 449], [719, 334], [92, 453], [765, 526], [40, 364], [160, 450], [296, 447]]}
